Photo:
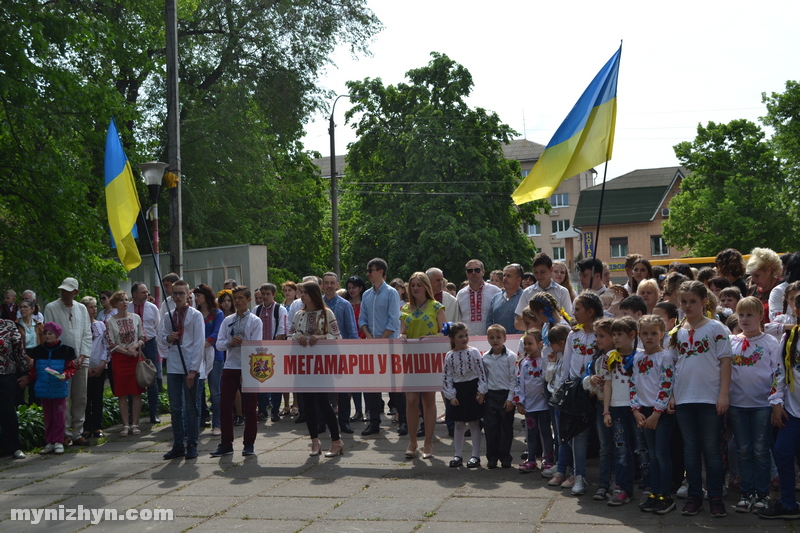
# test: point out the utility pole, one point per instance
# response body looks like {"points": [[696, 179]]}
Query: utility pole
{"points": [[334, 192], [174, 140]]}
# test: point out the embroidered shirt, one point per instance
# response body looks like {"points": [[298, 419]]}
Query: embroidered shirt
{"points": [[463, 365], [754, 364], [651, 383]]}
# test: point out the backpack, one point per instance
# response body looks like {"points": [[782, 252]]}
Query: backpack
{"points": [[576, 409]]}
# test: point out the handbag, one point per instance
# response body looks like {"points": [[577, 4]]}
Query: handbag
{"points": [[145, 372], [575, 409]]}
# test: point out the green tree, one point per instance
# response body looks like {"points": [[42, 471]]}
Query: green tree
{"points": [[729, 200], [426, 183], [783, 115]]}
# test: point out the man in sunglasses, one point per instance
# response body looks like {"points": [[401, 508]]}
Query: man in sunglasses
{"points": [[474, 299]]}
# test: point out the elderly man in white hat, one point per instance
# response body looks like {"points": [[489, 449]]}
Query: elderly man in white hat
{"points": [[76, 325]]}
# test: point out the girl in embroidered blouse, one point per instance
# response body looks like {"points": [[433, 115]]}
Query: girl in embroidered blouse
{"points": [[580, 350], [312, 323], [755, 361], [125, 337], [596, 374], [650, 392], [465, 384], [616, 407], [421, 317], [701, 395]]}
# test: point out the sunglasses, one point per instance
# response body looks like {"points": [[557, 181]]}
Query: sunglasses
{"points": [[474, 270]]}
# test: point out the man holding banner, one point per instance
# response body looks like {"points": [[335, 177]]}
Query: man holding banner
{"points": [[380, 318]]}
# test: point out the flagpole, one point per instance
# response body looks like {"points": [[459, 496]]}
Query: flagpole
{"points": [[599, 215]]}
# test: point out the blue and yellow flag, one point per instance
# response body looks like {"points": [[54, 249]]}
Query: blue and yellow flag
{"points": [[122, 200], [584, 139]]}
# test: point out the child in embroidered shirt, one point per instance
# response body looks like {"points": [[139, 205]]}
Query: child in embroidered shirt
{"points": [[498, 407], [785, 401], [651, 389], [531, 322], [531, 402], [756, 357], [578, 353], [593, 382], [557, 335], [786, 320], [701, 396], [547, 311], [616, 407], [465, 385], [53, 365]]}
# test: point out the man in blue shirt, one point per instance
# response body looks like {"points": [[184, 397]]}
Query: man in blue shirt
{"points": [[504, 304], [346, 318], [380, 318]]}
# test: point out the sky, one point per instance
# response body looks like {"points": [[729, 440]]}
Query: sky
{"points": [[683, 63]]}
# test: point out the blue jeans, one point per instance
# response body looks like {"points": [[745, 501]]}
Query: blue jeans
{"points": [[753, 431], [606, 437], [579, 445], [627, 441], [537, 424], [214, 380], [701, 426], [553, 424], [657, 441], [150, 351], [183, 399], [785, 445], [564, 450]]}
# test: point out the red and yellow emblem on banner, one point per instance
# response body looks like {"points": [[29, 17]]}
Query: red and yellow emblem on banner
{"points": [[262, 366]]}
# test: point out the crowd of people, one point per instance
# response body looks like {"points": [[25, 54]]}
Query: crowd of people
{"points": [[671, 369]]}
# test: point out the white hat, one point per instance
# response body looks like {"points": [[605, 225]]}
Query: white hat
{"points": [[69, 284]]}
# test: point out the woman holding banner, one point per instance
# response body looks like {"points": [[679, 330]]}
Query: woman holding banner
{"points": [[421, 317], [312, 323]]}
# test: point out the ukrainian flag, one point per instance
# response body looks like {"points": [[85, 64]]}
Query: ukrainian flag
{"points": [[584, 139], [122, 200]]}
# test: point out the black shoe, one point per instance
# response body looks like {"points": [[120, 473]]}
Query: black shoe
{"points": [[345, 428], [238, 421], [468, 434], [275, 417], [248, 450], [649, 505], [222, 450], [456, 462], [402, 429], [174, 453], [490, 464], [473, 462], [664, 505], [524, 456], [505, 464], [392, 411], [155, 420], [371, 429], [359, 416], [191, 452], [421, 430], [778, 511]]}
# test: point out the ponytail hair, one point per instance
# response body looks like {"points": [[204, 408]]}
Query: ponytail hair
{"points": [[673, 335], [591, 301], [548, 305], [790, 355]]}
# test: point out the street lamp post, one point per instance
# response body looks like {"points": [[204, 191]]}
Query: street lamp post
{"points": [[334, 191], [153, 172]]}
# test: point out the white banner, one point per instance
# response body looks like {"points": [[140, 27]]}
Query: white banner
{"points": [[373, 365]]}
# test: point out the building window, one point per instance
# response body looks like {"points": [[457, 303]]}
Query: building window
{"points": [[559, 253], [559, 200], [619, 247], [525, 173], [658, 246], [560, 225], [533, 230]]}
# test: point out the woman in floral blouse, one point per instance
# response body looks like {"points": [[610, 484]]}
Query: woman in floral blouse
{"points": [[125, 337]]}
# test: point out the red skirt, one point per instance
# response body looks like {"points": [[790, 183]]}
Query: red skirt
{"points": [[123, 368]]}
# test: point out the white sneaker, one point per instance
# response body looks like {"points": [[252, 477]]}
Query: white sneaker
{"points": [[19, 454], [683, 492], [550, 472], [48, 449], [59, 448], [579, 488]]}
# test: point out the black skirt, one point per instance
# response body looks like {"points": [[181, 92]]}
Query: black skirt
{"points": [[468, 408]]}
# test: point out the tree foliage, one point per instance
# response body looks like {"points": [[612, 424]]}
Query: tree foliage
{"points": [[426, 183], [248, 83], [783, 115], [730, 199]]}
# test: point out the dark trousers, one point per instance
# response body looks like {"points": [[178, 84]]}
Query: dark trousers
{"points": [[344, 408], [9, 424], [498, 424], [312, 401], [94, 402], [231, 379], [400, 405], [150, 351], [373, 405]]}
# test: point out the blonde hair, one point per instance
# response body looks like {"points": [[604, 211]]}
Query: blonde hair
{"points": [[750, 304], [764, 258], [653, 284], [497, 327], [426, 282], [653, 320], [535, 333]]}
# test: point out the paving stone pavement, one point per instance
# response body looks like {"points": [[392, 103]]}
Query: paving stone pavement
{"points": [[372, 488]]}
